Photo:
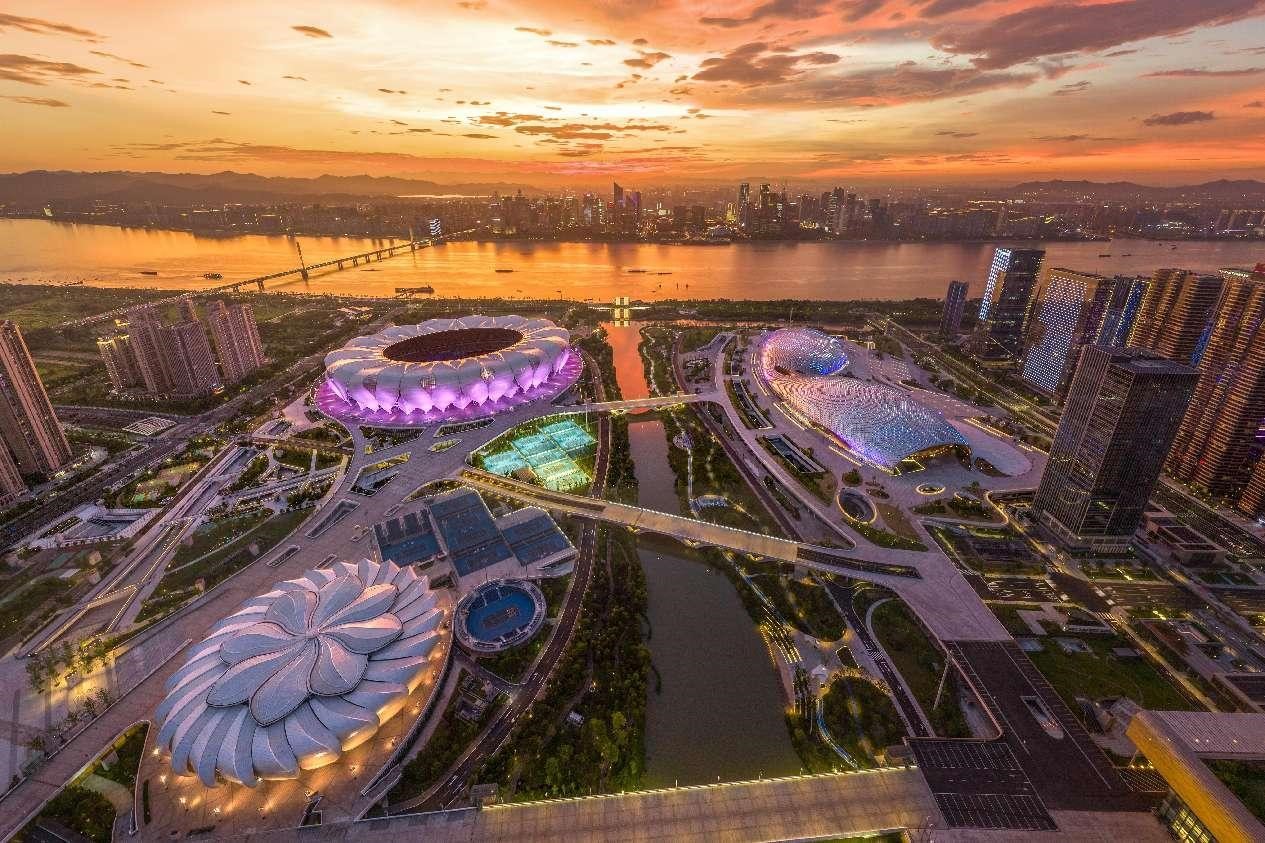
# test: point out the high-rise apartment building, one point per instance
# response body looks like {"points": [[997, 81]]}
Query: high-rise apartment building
{"points": [[192, 361], [236, 339], [1073, 310], [149, 349], [1216, 443], [1003, 314], [120, 361], [28, 426], [1176, 314], [164, 359], [11, 484], [1123, 410], [954, 304]]}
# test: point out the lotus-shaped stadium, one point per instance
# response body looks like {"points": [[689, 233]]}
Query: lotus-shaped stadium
{"points": [[880, 423], [301, 674], [447, 369]]}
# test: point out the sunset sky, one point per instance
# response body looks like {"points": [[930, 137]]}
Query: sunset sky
{"points": [[577, 92]]}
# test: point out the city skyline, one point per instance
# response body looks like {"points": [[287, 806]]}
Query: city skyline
{"points": [[803, 92], [762, 421]]}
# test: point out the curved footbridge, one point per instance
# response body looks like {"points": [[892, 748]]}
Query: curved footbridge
{"points": [[943, 599]]}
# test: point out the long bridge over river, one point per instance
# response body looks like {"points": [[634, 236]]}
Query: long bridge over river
{"points": [[302, 270]]}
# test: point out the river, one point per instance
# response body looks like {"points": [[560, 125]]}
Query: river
{"points": [[53, 252], [719, 711]]}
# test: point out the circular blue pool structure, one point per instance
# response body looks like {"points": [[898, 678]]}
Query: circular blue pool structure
{"points": [[498, 615]]}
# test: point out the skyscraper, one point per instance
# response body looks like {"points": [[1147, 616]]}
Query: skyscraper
{"points": [[11, 485], [28, 426], [744, 206], [1122, 310], [1012, 276], [192, 362], [236, 339], [1216, 442], [954, 303], [169, 359], [1073, 310], [149, 347], [120, 361], [1123, 409], [1176, 313]]}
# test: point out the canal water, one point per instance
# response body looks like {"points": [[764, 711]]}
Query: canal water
{"points": [[718, 711], [46, 251]]}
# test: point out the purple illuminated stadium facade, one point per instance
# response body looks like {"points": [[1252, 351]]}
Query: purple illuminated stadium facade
{"points": [[447, 370]]}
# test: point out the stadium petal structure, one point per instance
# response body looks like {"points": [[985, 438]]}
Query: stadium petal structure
{"points": [[301, 674], [880, 423], [447, 369]]}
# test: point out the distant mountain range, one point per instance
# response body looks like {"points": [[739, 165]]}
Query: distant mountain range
{"points": [[29, 190], [1222, 190], [189, 188]]}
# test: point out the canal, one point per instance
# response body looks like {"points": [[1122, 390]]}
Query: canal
{"points": [[718, 711]]}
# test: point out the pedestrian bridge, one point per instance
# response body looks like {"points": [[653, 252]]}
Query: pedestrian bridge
{"points": [[651, 403], [691, 531]]}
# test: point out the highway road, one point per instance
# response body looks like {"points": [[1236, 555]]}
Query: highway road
{"points": [[913, 718]]}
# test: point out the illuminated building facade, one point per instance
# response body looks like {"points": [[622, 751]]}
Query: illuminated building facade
{"points": [[954, 304], [1076, 309], [1176, 314], [302, 674], [881, 424], [446, 369], [1003, 314], [1218, 443], [1122, 412]]}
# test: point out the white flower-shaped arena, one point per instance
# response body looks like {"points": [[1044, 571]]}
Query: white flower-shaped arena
{"points": [[880, 423], [447, 369], [301, 674]]}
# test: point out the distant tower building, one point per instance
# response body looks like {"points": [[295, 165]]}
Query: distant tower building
{"points": [[1073, 310], [954, 304], [1123, 410], [1217, 440], [1176, 314], [120, 361], [236, 339], [28, 426], [1012, 277], [744, 206]]}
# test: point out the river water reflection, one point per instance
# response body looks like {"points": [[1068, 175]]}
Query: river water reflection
{"points": [[41, 250], [718, 711]]}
